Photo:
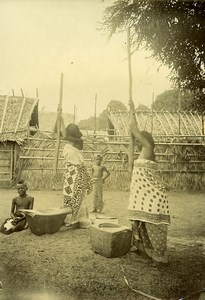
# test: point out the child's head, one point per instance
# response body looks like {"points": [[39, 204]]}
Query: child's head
{"points": [[22, 187], [98, 159]]}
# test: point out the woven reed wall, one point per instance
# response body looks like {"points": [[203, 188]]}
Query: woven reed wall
{"points": [[181, 164]]}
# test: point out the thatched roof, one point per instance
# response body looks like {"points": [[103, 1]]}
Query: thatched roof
{"points": [[15, 116], [161, 123]]}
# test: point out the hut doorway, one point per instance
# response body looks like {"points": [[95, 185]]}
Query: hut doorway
{"points": [[7, 163]]}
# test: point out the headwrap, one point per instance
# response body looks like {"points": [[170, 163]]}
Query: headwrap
{"points": [[73, 135]]}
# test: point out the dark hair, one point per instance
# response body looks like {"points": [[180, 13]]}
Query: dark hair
{"points": [[98, 156], [149, 137], [73, 130], [22, 182], [73, 134]]}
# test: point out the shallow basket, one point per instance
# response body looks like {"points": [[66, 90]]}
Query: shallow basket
{"points": [[45, 221]]}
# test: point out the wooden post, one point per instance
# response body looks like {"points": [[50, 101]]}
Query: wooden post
{"points": [[152, 123], [20, 114], [16, 149], [95, 117], [131, 143], [12, 163], [179, 103], [4, 113], [22, 93], [59, 112], [75, 114]]}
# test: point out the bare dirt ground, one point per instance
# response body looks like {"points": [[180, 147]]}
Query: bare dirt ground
{"points": [[63, 265]]}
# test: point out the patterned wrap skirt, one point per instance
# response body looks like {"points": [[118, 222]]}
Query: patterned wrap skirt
{"points": [[148, 211], [10, 225], [77, 185]]}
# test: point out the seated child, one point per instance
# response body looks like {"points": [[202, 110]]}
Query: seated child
{"points": [[18, 222]]}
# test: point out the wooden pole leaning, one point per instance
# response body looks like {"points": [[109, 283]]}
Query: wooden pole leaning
{"points": [[131, 142], [59, 113], [95, 115]]}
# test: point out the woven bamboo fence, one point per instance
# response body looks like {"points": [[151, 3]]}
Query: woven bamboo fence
{"points": [[181, 164]]}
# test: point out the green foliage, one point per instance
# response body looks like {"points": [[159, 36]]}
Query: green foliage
{"points": [[116, 105], [142, 107], [113, 105], [172, 101], [102, 122], [173, 30], [167, 101], [89, 124]]}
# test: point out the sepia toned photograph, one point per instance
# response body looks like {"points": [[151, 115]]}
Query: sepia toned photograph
{"points": [[102, 150]]}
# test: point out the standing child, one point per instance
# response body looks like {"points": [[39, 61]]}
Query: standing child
{"points": [[98, 171], [18, 222]]}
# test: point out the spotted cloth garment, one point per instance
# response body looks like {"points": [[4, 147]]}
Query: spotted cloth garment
{"points": [[148, 210], [148, 200]]}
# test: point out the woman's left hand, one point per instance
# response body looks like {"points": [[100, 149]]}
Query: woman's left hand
{"points": [[132, 120]]}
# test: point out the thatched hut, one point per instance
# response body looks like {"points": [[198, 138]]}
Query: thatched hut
{"points": [[162, 124], [18, 120], [180, 143], [181, 157]]}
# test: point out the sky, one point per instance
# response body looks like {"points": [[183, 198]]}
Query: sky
{"points": [[42, 39]]}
